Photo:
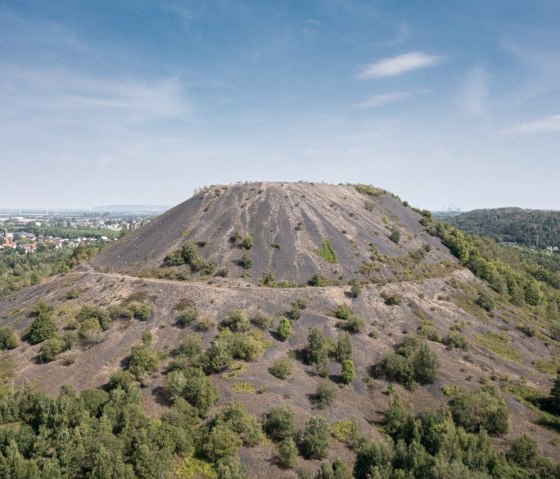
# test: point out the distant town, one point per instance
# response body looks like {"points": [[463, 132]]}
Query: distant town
{"points": [[29, 231]]}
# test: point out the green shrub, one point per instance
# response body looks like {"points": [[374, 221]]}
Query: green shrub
{"points": [[206, 323], [343, 349], [391, 299], [284, 329], [90, 330], [51, 348], [261, 321], [121, 379], [484, 408], [395, 235], [327, 252], [414, 362], [188, 254], [230, 468], [428, 330], [221, 443], [456, 340], [245, 261], [282, 368], [317, 281], [342, 312], [294, 314], [325, 395], [72, 294], [300, 303], [246, 242], [243, 423], [237, 321], [188, 316], [93, 400], [218, 357], [102, 316], [355, 324], [315, 440], [191, 346], [143, 313], [486, 301], [355, 289], [287, 453], [142, 361], [193, 386], [42, 328], [317, 348], [368, 190], [348, 371], [279, 423], [8, 339], [523, 452]]}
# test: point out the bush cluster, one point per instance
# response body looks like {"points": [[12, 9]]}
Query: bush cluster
{"points": [[412, 363]]}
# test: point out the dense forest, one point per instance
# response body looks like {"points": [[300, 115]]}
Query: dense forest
{"points": [[537, 228]]}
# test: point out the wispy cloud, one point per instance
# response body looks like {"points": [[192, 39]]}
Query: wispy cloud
{"points": [[378, 100], [398, 65], [65, 92], [544, 125]]}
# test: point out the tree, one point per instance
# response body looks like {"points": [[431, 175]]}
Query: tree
{"points": [[284, 330], [343, 347], [279, 423], [281, 369], [481, 409], [42, 328], [287, 453], [143, 361], [425, 364], [348, 371], [315, 441], [555, 394], [51, 348], [221, 442]]}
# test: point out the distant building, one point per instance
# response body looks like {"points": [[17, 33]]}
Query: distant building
{"points": [[7, 240]]}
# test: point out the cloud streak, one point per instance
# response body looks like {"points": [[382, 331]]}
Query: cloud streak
{"points": [[398, 65], [379, 100], [545, 125]]}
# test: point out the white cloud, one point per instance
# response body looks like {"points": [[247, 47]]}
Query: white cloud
{"points": [[378, 100], [544, 125], [398, 65], [63, 91], [473, 96]]}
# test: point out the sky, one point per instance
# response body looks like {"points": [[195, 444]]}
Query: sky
{"points": [[449, 104]]}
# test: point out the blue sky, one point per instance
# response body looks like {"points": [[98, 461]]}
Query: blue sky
{"points": [[446, 103]]}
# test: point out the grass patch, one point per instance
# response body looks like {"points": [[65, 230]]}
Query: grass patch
{"points": [[499, 344], [347, 432], [368, 190], [548, 367], [451, 390], [245, 387], [327, 252], [235, 370], [193, 468]]}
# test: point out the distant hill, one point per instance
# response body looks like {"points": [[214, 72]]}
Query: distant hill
{"points": [[514, 225], [136, 209]]}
